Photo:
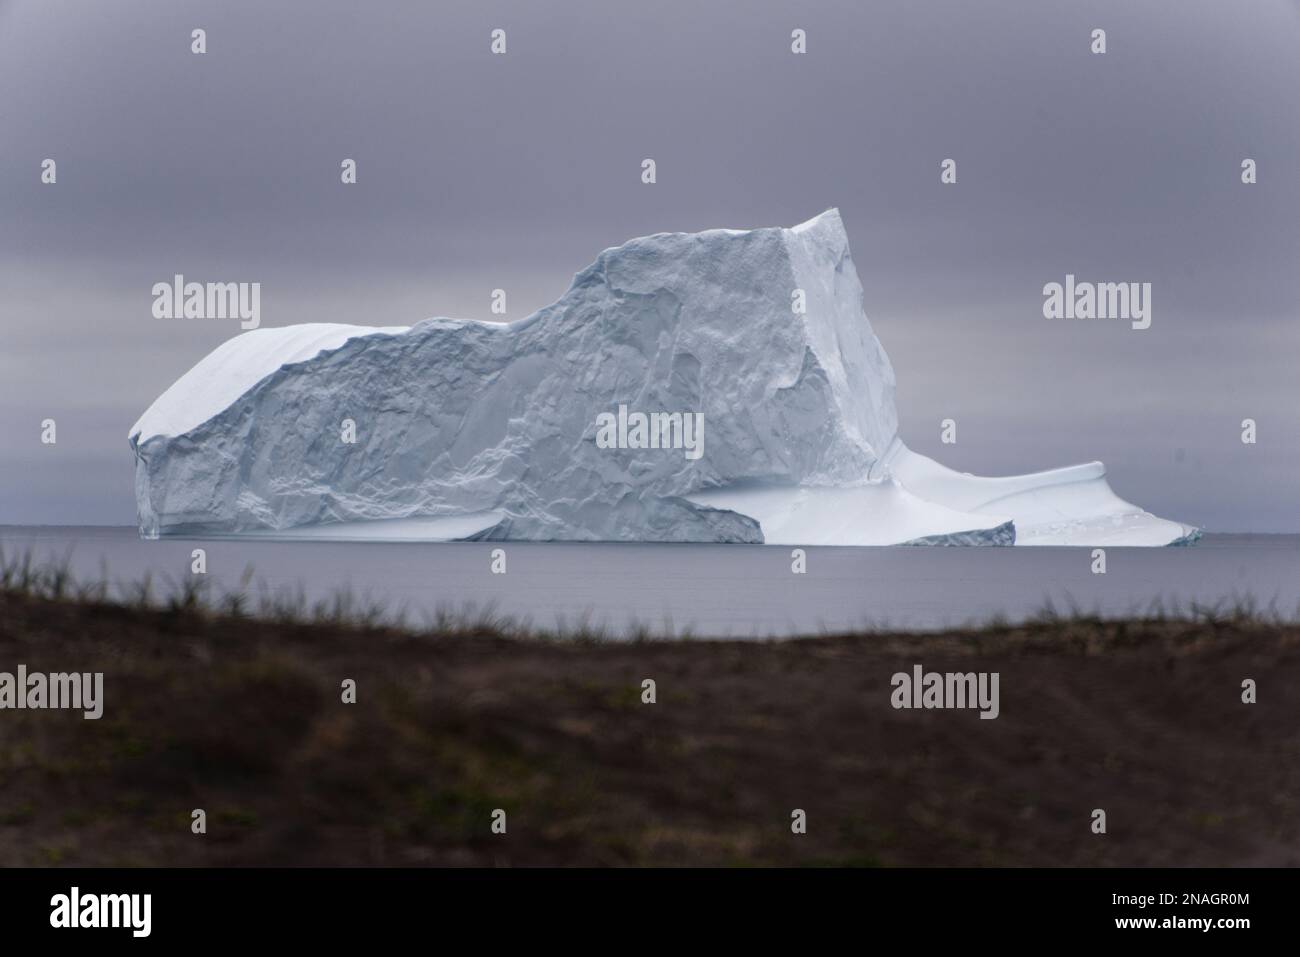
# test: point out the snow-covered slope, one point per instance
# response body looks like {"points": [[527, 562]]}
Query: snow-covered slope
{"points": [[234, 367], [1066, 506], [924, 502], [467, 429]]}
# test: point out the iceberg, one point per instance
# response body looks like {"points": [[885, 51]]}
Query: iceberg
{"points": [[456, 429]]}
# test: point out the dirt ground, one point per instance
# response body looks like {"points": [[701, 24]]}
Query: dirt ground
{"points": [[244, 719]]}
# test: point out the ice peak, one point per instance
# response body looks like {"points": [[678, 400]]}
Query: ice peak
{"points": [[829, 221]]}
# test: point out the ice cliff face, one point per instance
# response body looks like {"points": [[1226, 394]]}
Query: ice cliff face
{"points": [[761, 331]]}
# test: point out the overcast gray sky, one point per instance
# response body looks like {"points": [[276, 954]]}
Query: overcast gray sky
{"points": [[478, 171]]}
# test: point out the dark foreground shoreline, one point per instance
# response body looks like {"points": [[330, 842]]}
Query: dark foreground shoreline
{"points": [[244, 718]]}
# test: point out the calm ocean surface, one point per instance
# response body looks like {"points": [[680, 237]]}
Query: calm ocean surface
{"points": [[710, 590]]}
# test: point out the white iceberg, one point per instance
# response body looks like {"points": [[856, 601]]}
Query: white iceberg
{"points": [[459, 429]]}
